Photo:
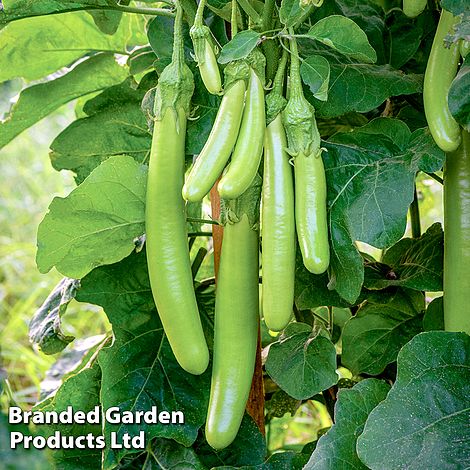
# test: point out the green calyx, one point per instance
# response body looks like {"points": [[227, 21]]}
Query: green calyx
{"points": [[201, 38], [275, 101], [176, 83], [298, 116], [232, 210], [257, 62], [299, 121], [240, 69], [235, 71], [174, 90]]}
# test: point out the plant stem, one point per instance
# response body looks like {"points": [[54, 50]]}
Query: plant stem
{"points": [[415, 218], [199, 18], [199, 234], [250, 11], [199, 258], [202, 221], [189, 8], [234, 19], [295, 81], [278, 84]]}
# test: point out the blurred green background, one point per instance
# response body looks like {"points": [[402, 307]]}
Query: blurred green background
{"points": [[28, 184]]}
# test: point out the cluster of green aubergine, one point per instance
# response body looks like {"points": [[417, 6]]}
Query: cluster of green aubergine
{"points": [[442, 67], [246, 123]]}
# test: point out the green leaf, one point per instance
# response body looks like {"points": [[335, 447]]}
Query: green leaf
{"points": [[363, 87], [415, 263], [369, 16], [291, 12], [249, 448], [82, 392], [423, 422], [206, 106], [459, 97], [434, 316], [14, 10], [139, 369], [239, 47], [37, 101], [345, 36], [405, 35], [337, 448], [370, 175], [115, 125], [302, 363], [141, 60], [52, 42], [311, 290], [45, 328], [381, 326], [315, 72], [97, 222], [20, 458], [457, 7], [278, 461], [160, 37]]}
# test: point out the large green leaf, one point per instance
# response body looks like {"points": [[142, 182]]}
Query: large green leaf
{"points": [[115, 125], [369, 16], [415, 263], [139, 369], [423, 422], [249, 448], [383, 324], [35, 47], [302, 363], [337, 448], [18, 9], [370, 174], [82, 392], [36, 102], [345, 36], [19, 458], [363, 87], [312, 291], [163, 454], [97, 222], [405, 35]]}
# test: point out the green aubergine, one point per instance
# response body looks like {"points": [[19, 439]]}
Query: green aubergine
{"points": [[204, 52], [165, 219], [248, 150], [218, 147], [235, 332], [310, 182], [457, 238], [278, 229], [440, 72]]}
